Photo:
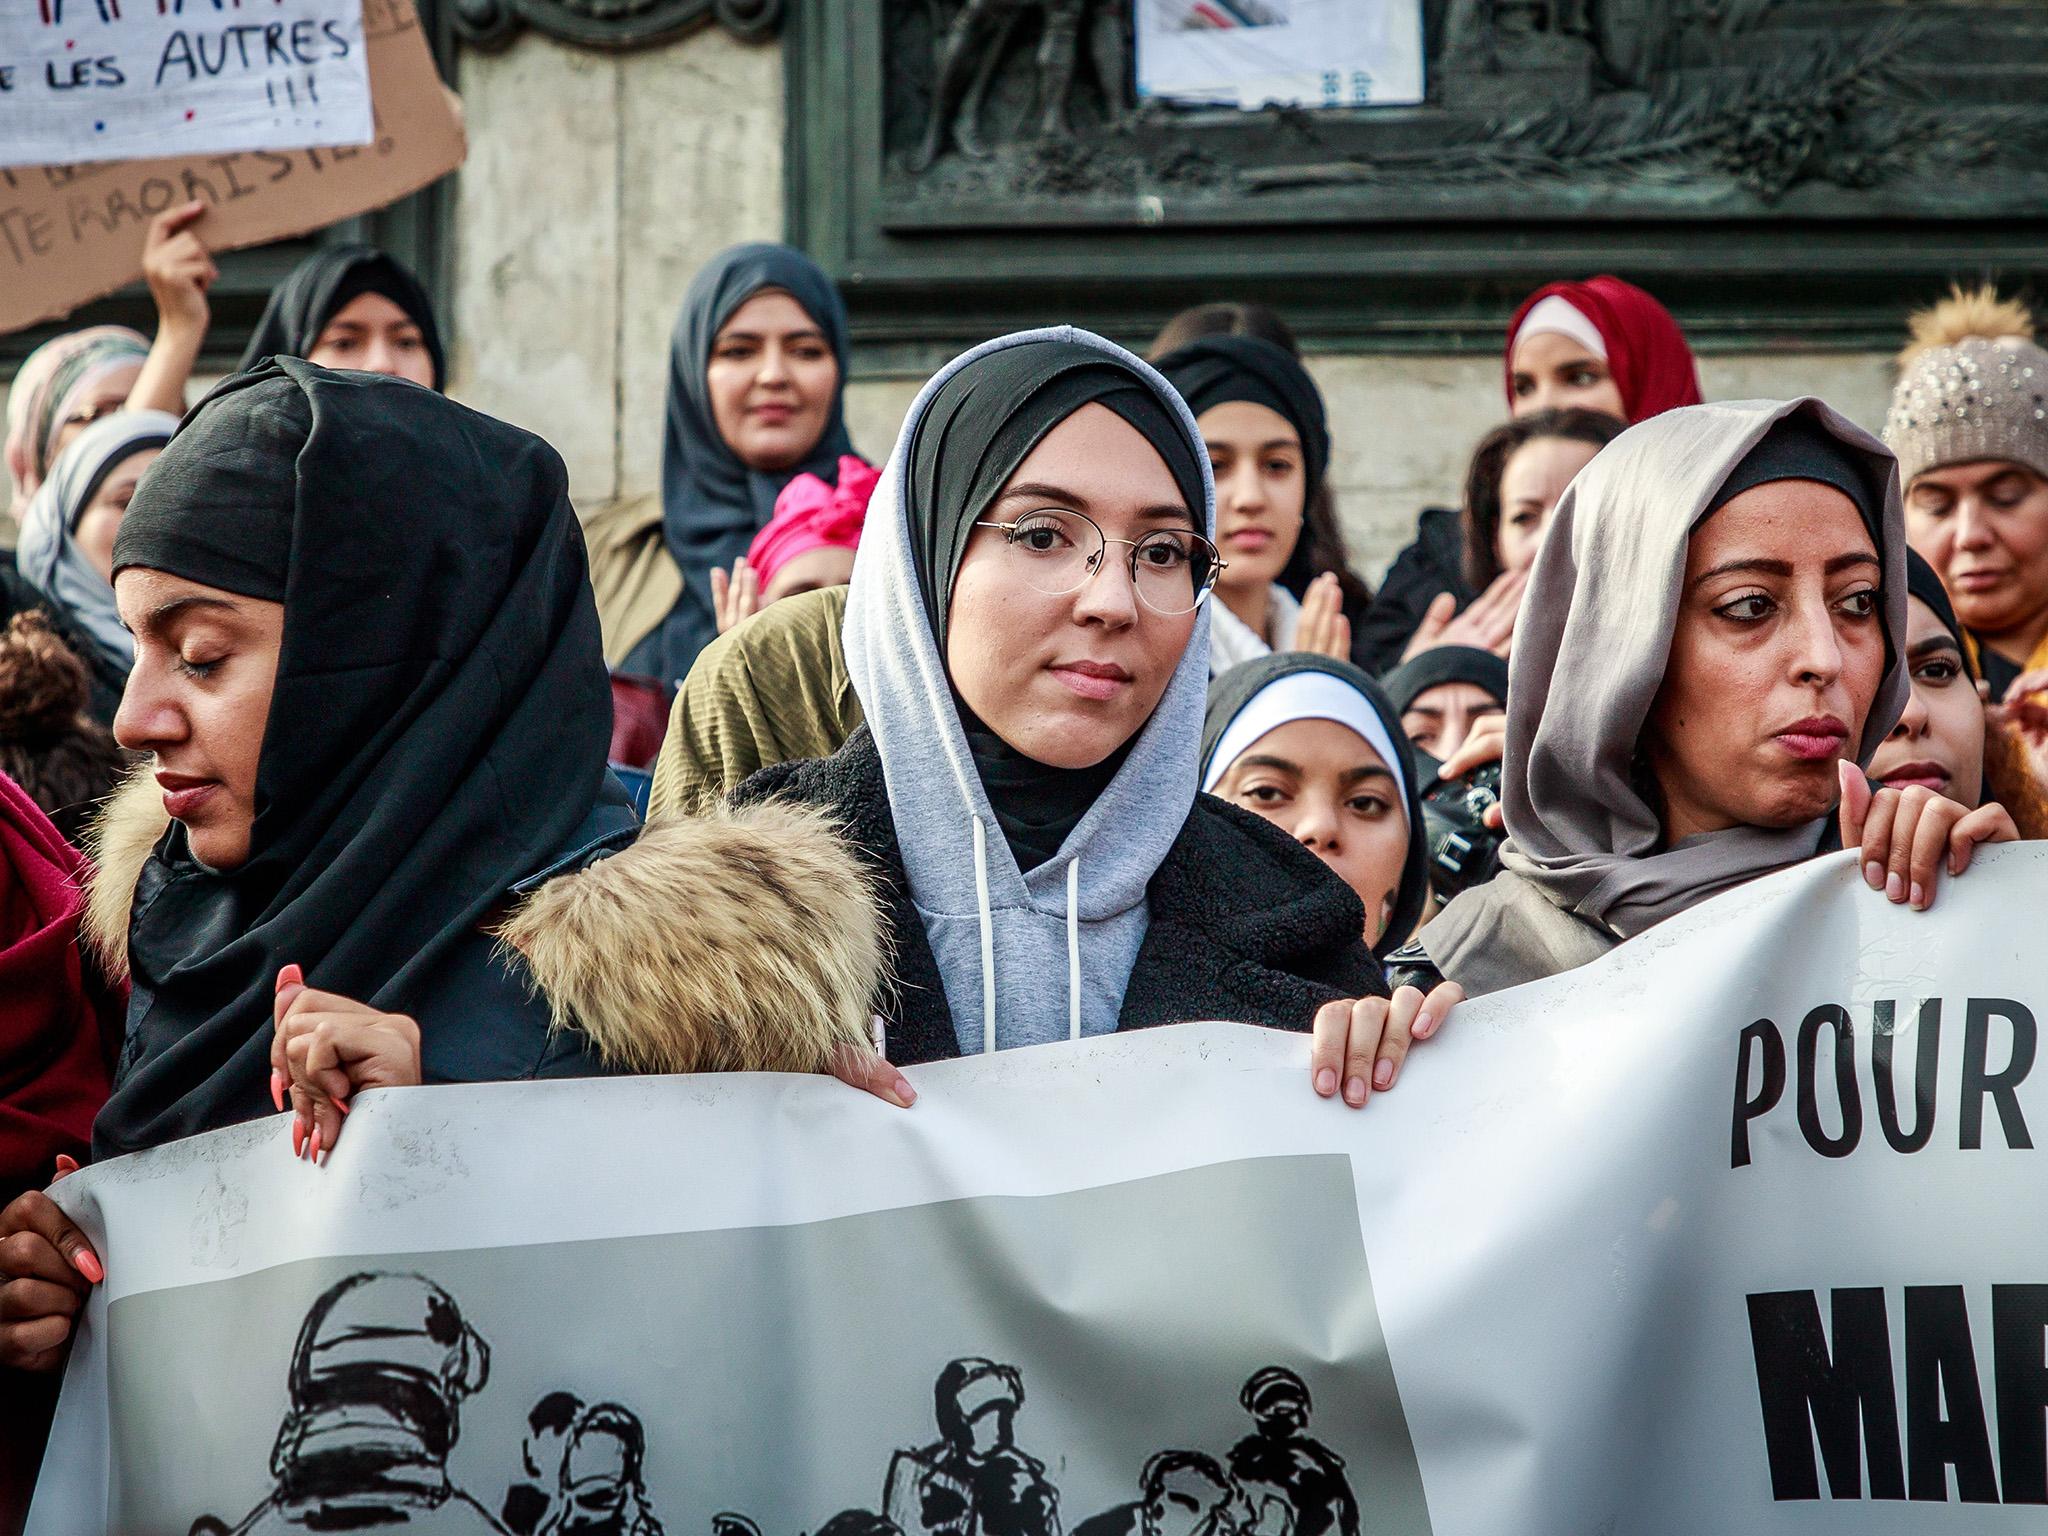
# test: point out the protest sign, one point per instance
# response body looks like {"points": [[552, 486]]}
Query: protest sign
{"points": [[1305, 53], [69, 233], [1733, 1230], [120, 79]]}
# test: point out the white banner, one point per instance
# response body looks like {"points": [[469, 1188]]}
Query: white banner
{"points": [[1738, 1230], [1306, 53], [84, 80]]}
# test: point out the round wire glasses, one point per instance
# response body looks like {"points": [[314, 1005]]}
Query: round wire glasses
{"points": [[1055, 551]]}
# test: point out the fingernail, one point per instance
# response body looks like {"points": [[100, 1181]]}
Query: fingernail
{"points": [[66, 1164], [1326, 1082], [277, 1085], [87, 1263], [1873, 875], [290, 976], [340, 1106], [1354, 1091], [905, 1094], [298, 1138], [1424, 1023], [1894, 887], [316, 1146], [1918, 897], [1383, 1075]]}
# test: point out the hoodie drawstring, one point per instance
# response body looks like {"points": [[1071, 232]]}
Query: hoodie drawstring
{"points": [[988, 941], [1074, 948]]}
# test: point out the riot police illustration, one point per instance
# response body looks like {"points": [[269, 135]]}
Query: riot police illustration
{"points": [[378, 1376], [1180, 1493], [1280, 1455], [974, 1481]]}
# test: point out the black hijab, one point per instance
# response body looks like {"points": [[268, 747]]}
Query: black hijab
{"points": [[324, 284], [712, 504], [980, 425], [1923, 583], [1442, 664], [437, 730], [1235, 689]]}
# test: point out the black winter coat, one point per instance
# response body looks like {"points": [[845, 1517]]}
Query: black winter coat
{"points": [[1246, 924], [1432, 565]]}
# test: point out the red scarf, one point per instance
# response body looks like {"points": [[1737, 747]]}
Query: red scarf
{"points": [[57, 1017], [1646, 351]]}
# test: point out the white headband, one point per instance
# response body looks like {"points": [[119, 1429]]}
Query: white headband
{"points": [[1558, 316], [1305, 696]]}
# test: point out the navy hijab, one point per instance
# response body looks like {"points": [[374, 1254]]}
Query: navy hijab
{"points": [[712, 504]]}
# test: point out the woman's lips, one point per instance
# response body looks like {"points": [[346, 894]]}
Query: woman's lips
{"points": [[771, 415], [1979, 581], [1251, 539], [1928, 775], [185, 795], [1812, 740], [1096, 680]]}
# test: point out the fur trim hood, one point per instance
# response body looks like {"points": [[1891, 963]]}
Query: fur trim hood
{"points": [[737, 941]]}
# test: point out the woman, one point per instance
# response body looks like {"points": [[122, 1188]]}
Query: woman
{"points": [[62, 387], [1715, 639], [1263, 426], [757, 376], [1434, 597], [806, 546], [1947, 741], [367, 671], [67, 540], [353, 306], [1444, 693], [1601, 345], [1312, 745], [58, 1019], [1023, 791], [67, 761], [1969, 422]]}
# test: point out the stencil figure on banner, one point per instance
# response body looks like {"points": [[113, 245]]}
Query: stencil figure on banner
{"points": [[1026, 631], [1180, 1493], [1774, 532], [1601, 345], [974, 1480], [85, 80], [1969, 422], [477, 914], [1280, 1454]]}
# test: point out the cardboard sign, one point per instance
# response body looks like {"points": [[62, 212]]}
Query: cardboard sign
{"points": [[116, 79], [71, 233], [1305, 53]]}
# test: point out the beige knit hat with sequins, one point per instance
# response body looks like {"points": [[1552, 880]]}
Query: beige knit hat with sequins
{"points": [[1973, 385]]}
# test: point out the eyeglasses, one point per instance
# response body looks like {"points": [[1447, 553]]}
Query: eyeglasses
{"points": [[1055, 551]]}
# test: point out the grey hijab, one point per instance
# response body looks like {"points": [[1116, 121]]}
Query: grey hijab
{"points": [[49, 557], [1595, 634]]}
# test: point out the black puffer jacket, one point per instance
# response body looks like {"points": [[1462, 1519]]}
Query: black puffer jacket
{"points": [[1246, 924], [1432, 565]]}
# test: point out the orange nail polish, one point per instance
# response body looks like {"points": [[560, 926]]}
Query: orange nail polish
{"points": [[87, 1263], [277, 1085], [316, 1145], [298, 1138]]}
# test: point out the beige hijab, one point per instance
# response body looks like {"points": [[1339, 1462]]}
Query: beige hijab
{"points": [[1584, 866]]}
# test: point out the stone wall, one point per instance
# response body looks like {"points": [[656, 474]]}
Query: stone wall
{"points": [[596, 184]]}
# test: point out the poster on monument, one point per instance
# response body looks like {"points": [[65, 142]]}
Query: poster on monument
{"points": [[1733, 1230], [1303, 53], [89, 80]]}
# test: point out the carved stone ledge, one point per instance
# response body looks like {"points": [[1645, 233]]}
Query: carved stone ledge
{"points": [[612, 24]]}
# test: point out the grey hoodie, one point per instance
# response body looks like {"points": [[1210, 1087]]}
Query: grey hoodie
{"points": [[1025, 958]]}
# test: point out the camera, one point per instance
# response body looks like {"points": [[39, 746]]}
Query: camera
{"points": [[1463, 851]]}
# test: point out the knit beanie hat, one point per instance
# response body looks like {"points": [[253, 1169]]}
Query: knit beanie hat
{"points": [[1973, 386]]}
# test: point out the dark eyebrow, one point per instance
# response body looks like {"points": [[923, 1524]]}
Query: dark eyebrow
{"points": [[162, 614], [1264, 760], [1933, 645], [1759, 567], [1849, 562], [1040, 492], [810, 333], [1353, 775], [1435, 711]]}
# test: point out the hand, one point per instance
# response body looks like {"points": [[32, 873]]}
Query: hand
{"points": [[1323, 628], [47, 1269], [1905, 834], [872, 1073], [735, 597], [324, 1049], [1487, 624], [1486, 742], [1364, 1042], [178, 268]]}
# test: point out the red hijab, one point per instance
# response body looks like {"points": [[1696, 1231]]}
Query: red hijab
{"points": [[1646, 351], [56, 1014]]}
